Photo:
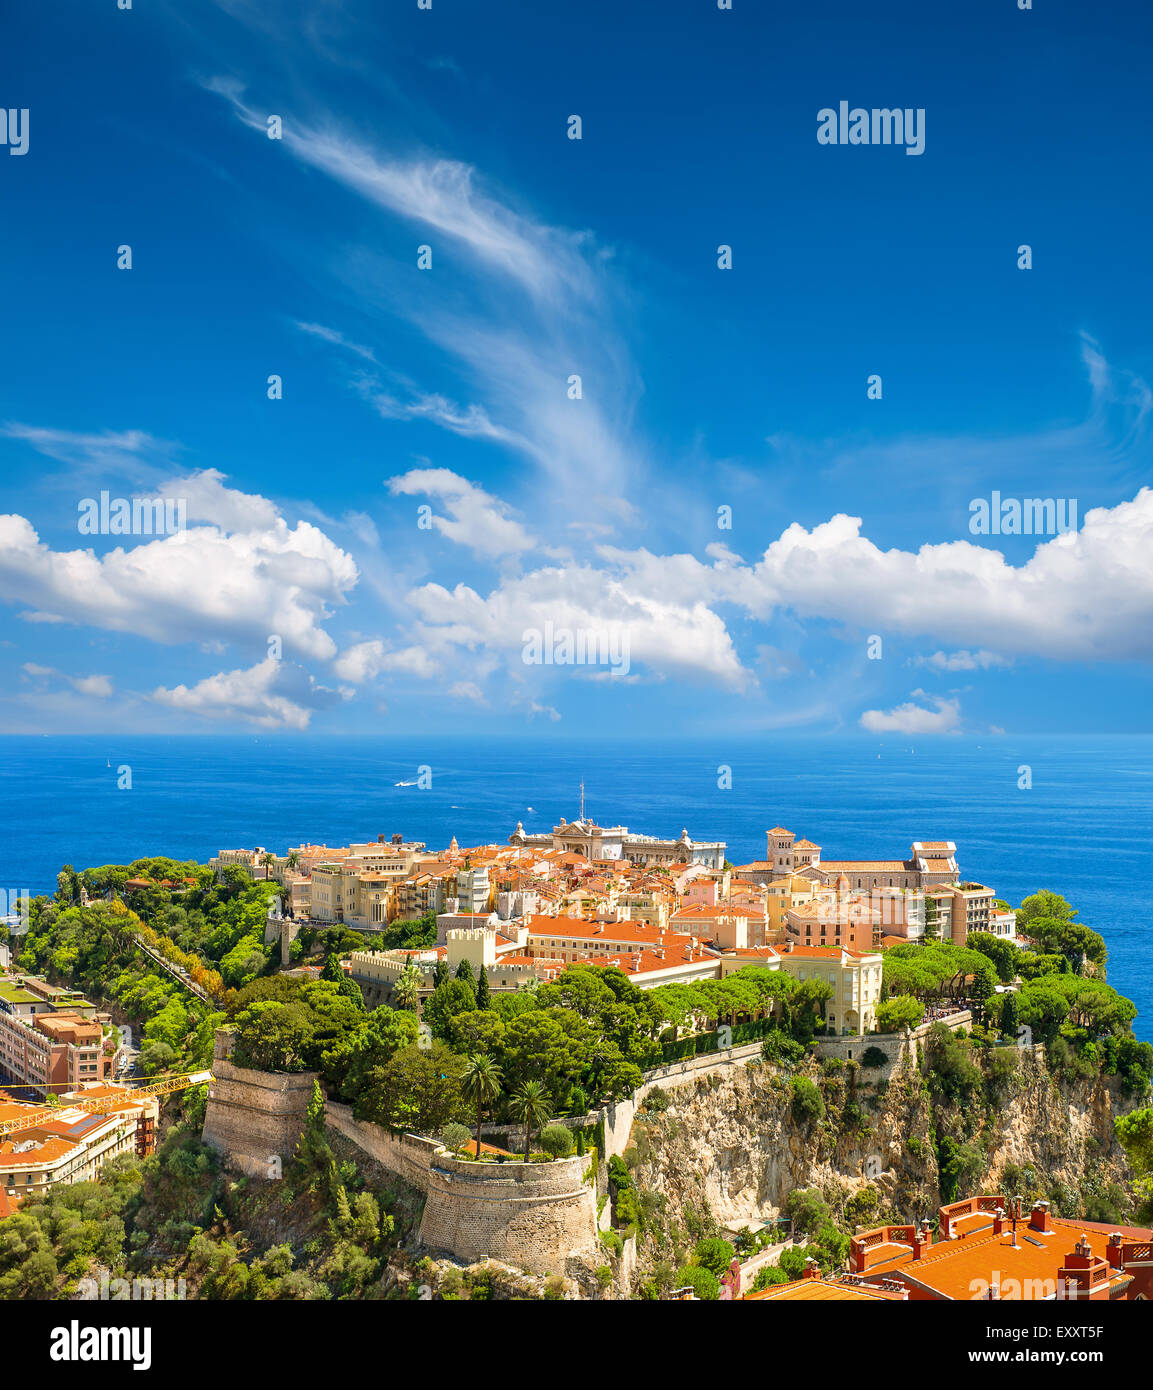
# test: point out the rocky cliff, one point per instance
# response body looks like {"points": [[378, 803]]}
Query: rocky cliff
{"points": [[731, 1146]]}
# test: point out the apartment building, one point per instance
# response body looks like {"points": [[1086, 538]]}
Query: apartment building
{"points": [[573, 938], [71, 1145], [51, 1040]]}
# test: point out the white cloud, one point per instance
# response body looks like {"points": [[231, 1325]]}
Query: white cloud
{"points": [[1084, 596], [271, 695], [535, 708], [442, 196], [366, 660], [943, 717], [475, 518], [204, 584], [667, 638], [331, 335], [962, 661], [468, 690], [99, 686]]}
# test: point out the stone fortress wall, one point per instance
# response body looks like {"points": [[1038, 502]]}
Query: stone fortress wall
{"points": [[531, 1215], [254, 1118]]}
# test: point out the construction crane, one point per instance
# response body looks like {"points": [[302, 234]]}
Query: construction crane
{"points": [[166, 1085]]}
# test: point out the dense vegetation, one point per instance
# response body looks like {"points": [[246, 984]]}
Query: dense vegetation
{"points": [[176, 1217]]}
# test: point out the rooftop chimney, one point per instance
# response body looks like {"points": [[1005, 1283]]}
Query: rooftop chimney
{"points": [[922, 1239], [1039, 1218], [812, 1269]]}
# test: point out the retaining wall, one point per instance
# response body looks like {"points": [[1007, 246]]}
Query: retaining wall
{"points": [[255, 1118]]}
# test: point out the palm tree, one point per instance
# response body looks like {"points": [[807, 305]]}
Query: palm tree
{"points": [[530, 1106], [293, 860], [406, 991], [480, 1081]]}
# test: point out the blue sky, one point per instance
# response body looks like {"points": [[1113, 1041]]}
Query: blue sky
{"points": [[701, 388]]}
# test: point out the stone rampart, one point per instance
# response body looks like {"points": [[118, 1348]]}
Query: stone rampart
{"points": [[254, 1118], [533, 1215], [406, 1155]]}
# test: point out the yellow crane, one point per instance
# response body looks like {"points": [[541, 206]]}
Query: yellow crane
{"points": [[164, 1086]]}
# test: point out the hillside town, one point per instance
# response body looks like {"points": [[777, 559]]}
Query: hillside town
{"points": [[663, 911], [577, 996]]}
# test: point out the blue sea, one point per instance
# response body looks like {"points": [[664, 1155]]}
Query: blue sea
{"points": [[1084, 828]]}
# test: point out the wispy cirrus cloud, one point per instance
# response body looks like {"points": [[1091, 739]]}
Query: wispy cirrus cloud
{"points": [[554, 379]]}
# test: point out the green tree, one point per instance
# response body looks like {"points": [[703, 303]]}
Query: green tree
{"points": [[702, 1281], [530, 1105], [715, 1255], [481, 1083], [419, 1089], [1010, 1016], [483, 992], [901, 1011], [406, 991]]}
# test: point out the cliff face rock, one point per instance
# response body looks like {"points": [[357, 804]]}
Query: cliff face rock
{"points": [[730, 1141]]}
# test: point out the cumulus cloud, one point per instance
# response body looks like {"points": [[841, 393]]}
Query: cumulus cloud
{"points": [[941, 716], [205, 584], [366, 660], [271, 695], [1084, 596], [475, 518], [668, 638]]}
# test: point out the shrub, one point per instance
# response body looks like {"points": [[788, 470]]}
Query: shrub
{"points": [[455, 1136], [556, 1140], [715, 1255], [702, 1281], [612, 1242], [808, 1209], [604, 1276], [874, 1057], [657, 1101], [808, 1107]]}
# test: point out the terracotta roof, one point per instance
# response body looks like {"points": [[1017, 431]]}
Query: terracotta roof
{"points": [[823, 1291]]}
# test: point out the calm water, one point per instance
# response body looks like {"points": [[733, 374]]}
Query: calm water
{"points": [[1085, 828]]}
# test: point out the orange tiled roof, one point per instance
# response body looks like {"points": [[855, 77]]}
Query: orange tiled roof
{"points": [[824, 1291]]}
